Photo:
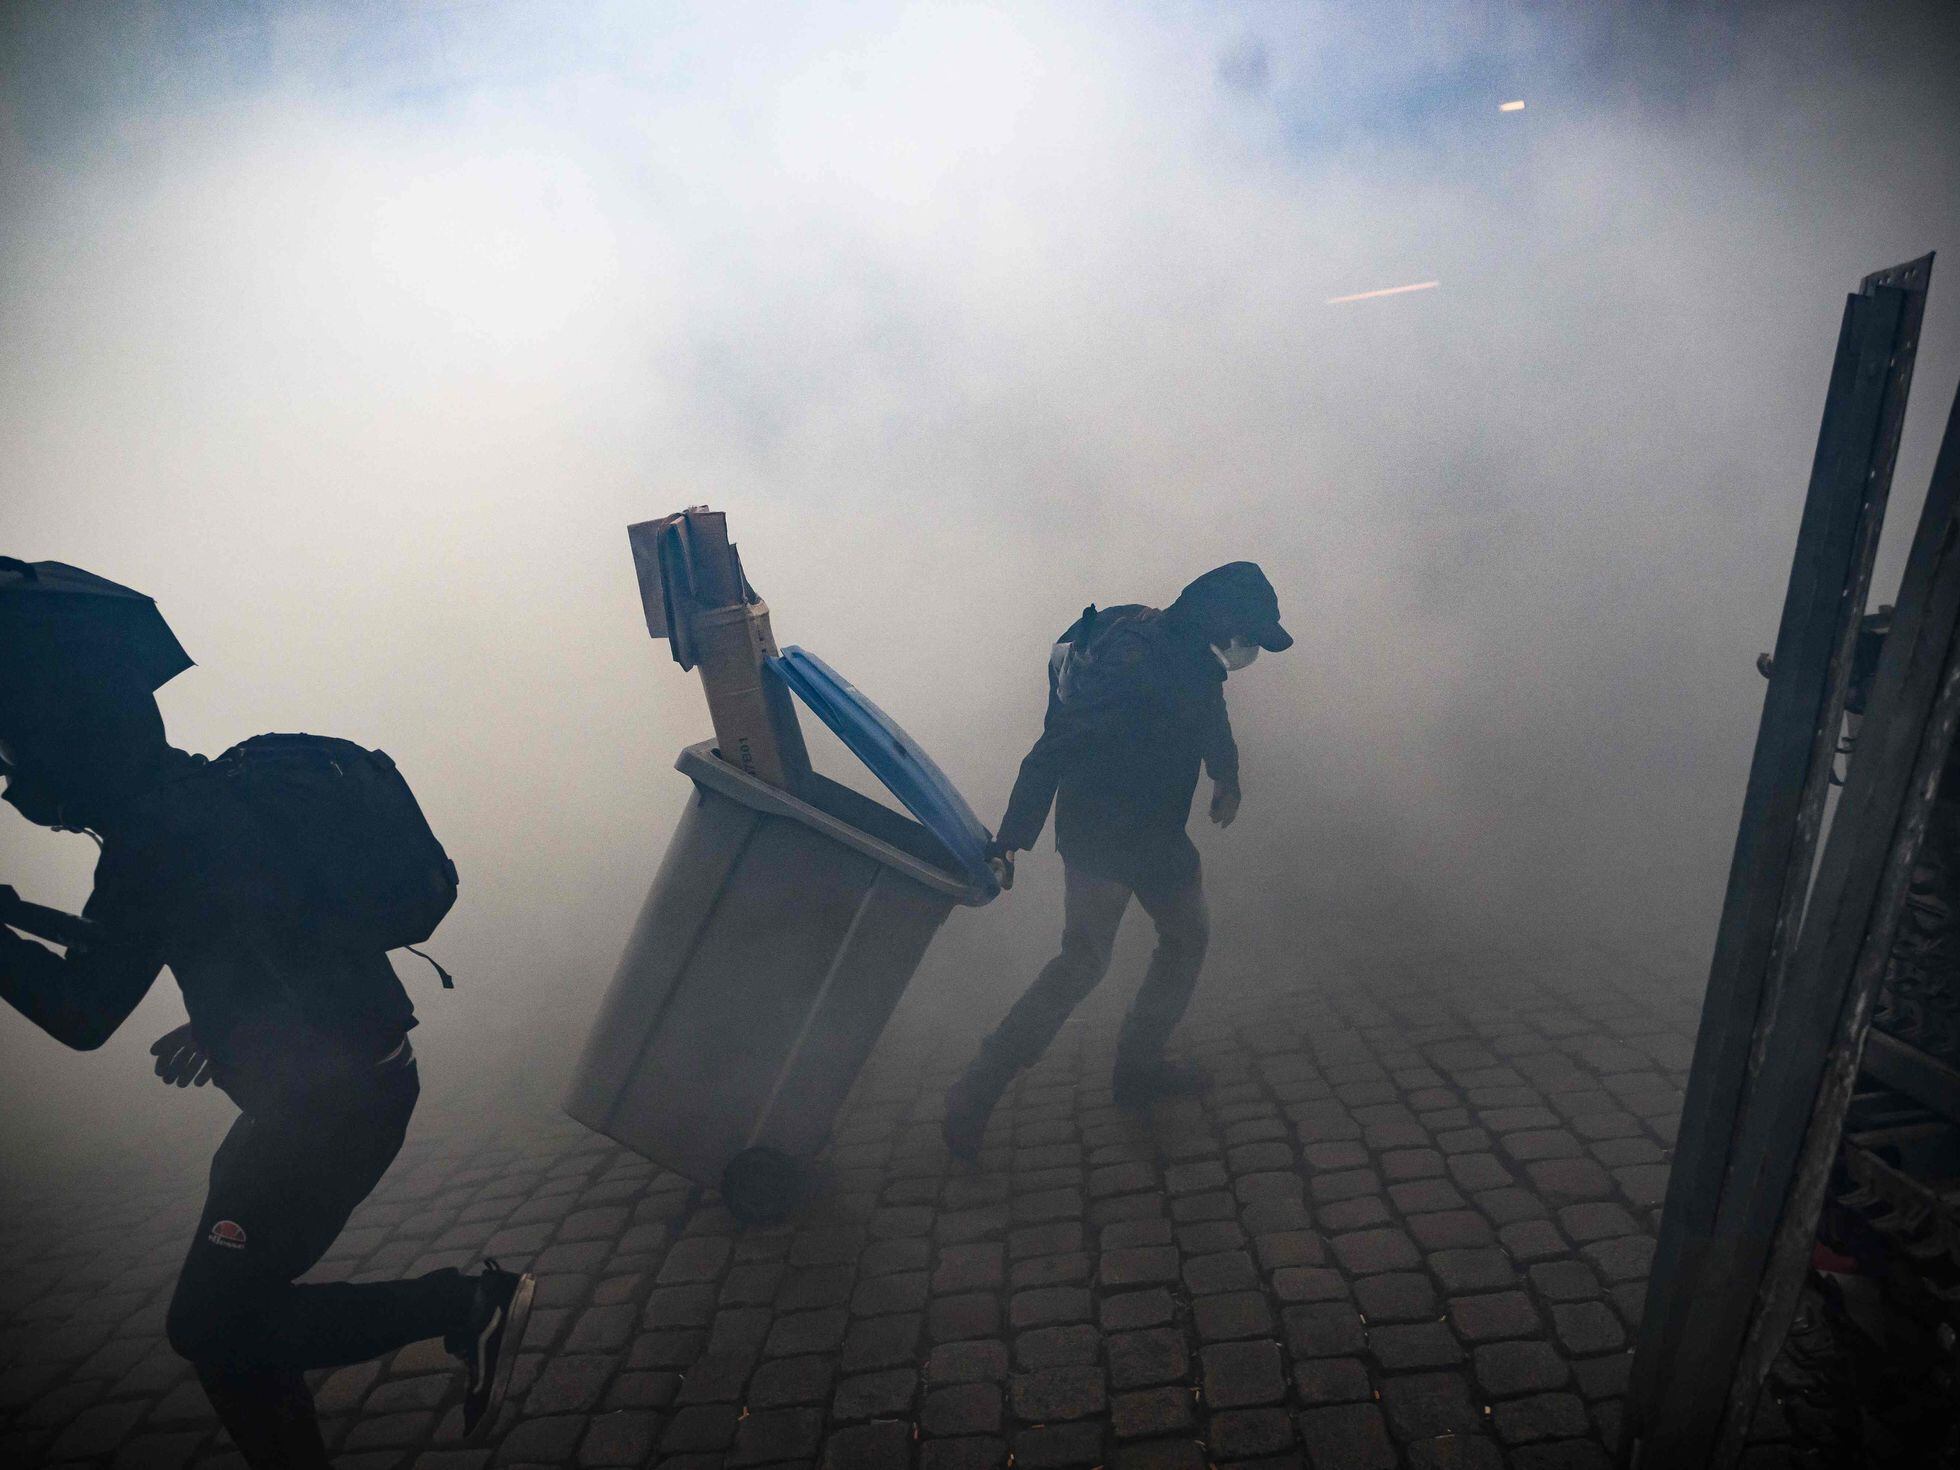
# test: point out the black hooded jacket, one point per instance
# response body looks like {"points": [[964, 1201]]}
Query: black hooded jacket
{"points": [[176, 885], [1136, 704]]}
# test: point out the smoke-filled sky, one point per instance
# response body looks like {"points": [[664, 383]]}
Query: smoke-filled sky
{"points": [[357, 335]]}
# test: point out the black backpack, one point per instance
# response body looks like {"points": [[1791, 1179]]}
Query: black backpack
{"points": [[351, 857]]}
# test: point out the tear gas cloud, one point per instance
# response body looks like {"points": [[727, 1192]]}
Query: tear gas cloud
{"points": [[356, 338]]}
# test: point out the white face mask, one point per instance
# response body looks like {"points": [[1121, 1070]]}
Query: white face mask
{"points": [[1236, 654]]}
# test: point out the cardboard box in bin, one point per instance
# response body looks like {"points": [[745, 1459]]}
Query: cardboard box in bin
{"points": [[696, 597]]}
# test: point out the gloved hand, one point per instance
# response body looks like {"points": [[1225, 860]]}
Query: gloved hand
{"points": [[180, 1060], [1224, 803], [1002, 862]]}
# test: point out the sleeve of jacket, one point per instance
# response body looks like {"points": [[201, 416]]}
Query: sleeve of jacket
{"points": [[81, 997], [1221, 750]]}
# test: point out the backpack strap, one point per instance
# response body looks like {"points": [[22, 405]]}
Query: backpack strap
{"points": [[448, 981]]}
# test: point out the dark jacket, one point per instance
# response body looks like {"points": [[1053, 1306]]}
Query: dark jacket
{"points": [[1136, 703], [179, 883]]}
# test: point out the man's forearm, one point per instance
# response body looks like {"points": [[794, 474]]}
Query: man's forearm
{"points": [[79, 998]]}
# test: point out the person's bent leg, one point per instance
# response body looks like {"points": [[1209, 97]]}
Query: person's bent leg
{"points": [[281, 1189], [1093, 913], [269, 1415], [1183, 934]]}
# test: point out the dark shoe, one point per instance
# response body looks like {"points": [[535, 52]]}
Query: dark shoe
{"points": [[969, 1103], [488, 1343], [1138, 1086]]}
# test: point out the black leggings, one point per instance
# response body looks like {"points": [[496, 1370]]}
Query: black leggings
{"points": [[283, 1184]]}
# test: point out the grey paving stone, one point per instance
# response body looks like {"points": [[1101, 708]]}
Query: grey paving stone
{"points": [[1531, 1240], [1057, 1347], [1332, 1188], [1274, 1214], [1058, 1393], [1569, 1181], [1354, 1214], [880, 1342], [1626, 1259], [967, 1362], [568, 1385], [1542, 1416], [1331, 1381], [626, 1437], [957, 1318], [1601, 1378], [1461, 1272], [1398, 1347], [1135, 1309], [1058, 1446], [1397, 1296], [1478, 1171], [979, 1266], [550, 1441], [1309, 1284], [1422, 1196], [1239, 1433], [966, 1408], [1232, 1315], [1241, 1374], [1346, 1154], [1324, 1330], [1151, 1411], [693, 1260], [1510, 1206], [875, 1395], [1564, 1281], [1424, 1405], [1364, 1251], [1451, 1229], [903, 1291], [807, 1332], [1148, 1357], [1585, 1328], [1072, 1269], [1351, 1436], [1278, 1249], [1209, 1236], [1644, 1184], [1454, 1452], [1047, 1305], [1147, 1230], [886, 1446], [1222, 1271], [1499, 1315], [679, 1306], [1138, 1266], [1506, 1369], [977, 1453]]}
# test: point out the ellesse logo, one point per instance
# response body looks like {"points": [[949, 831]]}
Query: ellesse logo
{"points": [[229, 1234]]}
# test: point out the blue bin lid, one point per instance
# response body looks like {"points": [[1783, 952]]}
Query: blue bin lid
{"points": [[895, 759]]}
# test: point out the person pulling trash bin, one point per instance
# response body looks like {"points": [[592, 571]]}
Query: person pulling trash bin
{"points": [[272, 881], [1136, 704]]}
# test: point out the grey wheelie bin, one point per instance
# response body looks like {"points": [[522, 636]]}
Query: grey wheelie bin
{"points": [[779, 934]]}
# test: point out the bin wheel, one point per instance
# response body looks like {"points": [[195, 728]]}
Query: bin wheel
{"points": [[761, 1185]]}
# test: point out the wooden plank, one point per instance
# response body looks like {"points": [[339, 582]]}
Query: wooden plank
{"points": [[1925, 1079], [1775, 843], [1888, 797]]}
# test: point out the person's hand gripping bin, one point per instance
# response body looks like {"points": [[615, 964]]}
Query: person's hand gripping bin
{"points": [[781, 929]]}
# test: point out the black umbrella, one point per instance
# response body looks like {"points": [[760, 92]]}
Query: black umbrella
{"points": [[63, 624]]}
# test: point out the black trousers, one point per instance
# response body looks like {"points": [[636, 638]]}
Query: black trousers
{"points": [[1094, 911], [283, 1184]]}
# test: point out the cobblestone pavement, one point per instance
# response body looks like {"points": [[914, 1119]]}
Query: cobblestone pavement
{"points": [[1409, 1226]]}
